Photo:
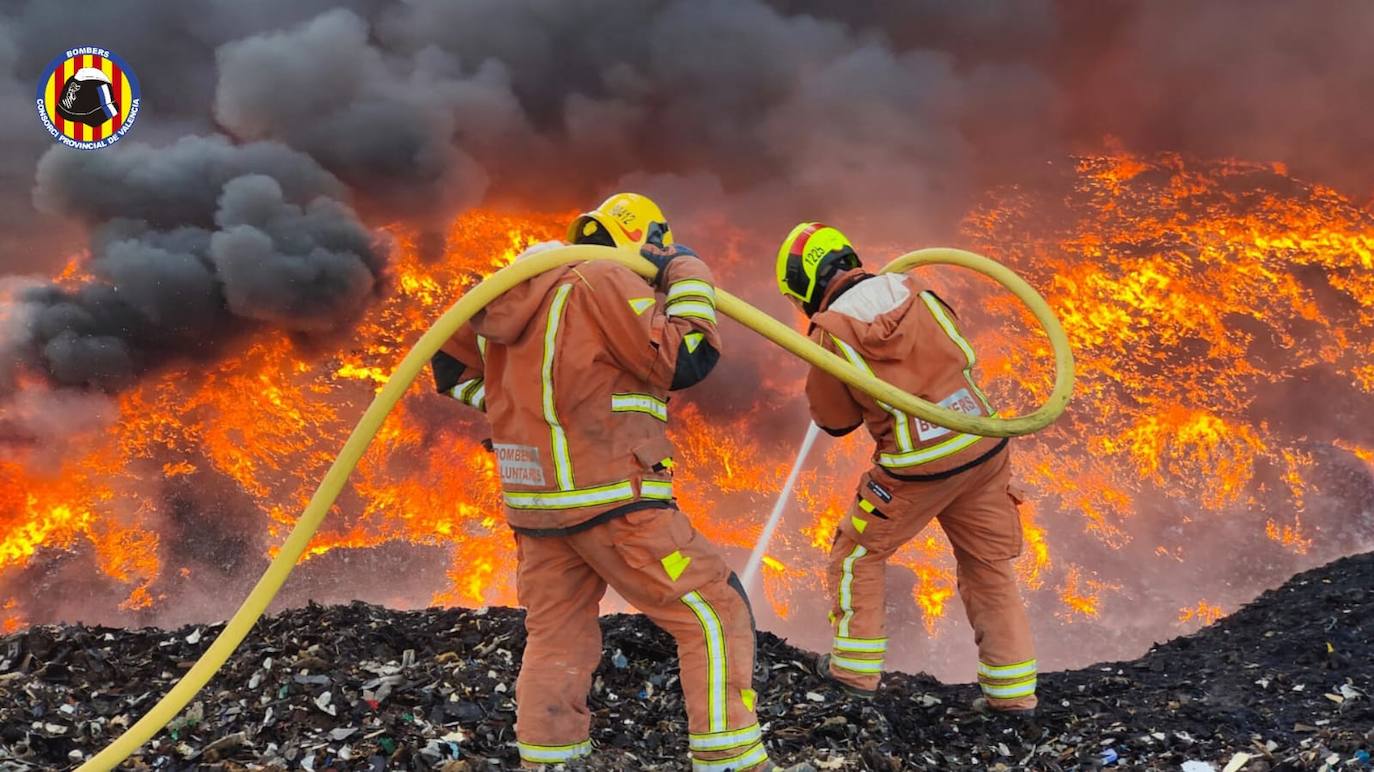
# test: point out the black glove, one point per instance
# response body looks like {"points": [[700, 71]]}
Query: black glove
{"points": [[660, 256]]}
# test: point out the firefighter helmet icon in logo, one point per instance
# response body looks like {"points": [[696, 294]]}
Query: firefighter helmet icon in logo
{"points": [[88, 98]]}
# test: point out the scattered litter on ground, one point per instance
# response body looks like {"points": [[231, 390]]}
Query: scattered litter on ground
{"points": [[1284, 683]]}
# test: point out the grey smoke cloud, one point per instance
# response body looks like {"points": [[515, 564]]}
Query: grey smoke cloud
{"points": [[193, 244]]}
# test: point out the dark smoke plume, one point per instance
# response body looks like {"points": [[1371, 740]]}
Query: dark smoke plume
{"points": [[192, 244]]}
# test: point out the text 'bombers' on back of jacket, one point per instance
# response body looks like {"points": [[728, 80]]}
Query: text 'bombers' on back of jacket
{"points": [[573, 369], [889, 326]]}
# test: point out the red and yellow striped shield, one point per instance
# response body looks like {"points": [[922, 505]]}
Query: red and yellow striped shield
{"points": [[116, 95]]}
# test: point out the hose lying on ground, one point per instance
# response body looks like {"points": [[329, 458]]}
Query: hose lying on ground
{"points": [[493, 287]]}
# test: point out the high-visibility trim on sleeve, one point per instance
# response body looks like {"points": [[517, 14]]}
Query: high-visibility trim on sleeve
{"points": [[472, 392], [553, 754], [722, 741], [640, 403], [871, 645], [694, 288], [482, 347], [696, 309], [751, 758], [714, 633], [562, 459], [901, 425]]}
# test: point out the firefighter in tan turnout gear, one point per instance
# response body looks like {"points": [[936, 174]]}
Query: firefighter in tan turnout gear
{"points": [[890, 326], [573, 369]]}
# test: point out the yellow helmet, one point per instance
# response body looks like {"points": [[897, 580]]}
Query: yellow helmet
{"points": [[625, 220], [810, 255]]}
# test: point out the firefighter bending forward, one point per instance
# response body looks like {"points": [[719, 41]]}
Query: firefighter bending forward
{"points": [[888, 325], [573, 370]]}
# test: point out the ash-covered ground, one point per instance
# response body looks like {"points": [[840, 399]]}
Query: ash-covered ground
{"points": [[1286, 681]]}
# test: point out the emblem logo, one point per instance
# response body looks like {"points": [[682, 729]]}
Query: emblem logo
{"points": [[88, 98]]}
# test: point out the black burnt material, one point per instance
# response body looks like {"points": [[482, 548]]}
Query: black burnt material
{"points": [[1287, 681]]}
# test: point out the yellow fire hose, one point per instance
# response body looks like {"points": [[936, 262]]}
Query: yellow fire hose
{"points": [[493, 287]]}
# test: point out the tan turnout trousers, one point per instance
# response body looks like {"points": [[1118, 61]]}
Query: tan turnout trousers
{"points": [[671, 573], [978, 513]]}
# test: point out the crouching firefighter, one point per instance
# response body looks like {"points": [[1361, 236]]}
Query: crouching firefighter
{"points": [[573, 369], [891, 327]]}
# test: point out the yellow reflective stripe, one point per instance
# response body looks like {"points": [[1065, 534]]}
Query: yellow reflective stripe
{"points": [[941, 314], [674, 564], [693, 340], [1010, 691], [866, 505], [482, 347], [691, 308], [901, 425], [720, 741], [656, 489], [865, 666], [584, 497], [640, 305], [860, 524], [715, 659], [562, 461], [473, 392], [640, 403], [692, 288], [925, 455], [747, 760], [1016, 670], [861, 644], [847, 589], [553, 754]]}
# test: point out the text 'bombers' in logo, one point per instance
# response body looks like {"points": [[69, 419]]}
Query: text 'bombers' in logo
{"points": [[88, 98]]}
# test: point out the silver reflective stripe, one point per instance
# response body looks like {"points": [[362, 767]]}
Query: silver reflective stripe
{"points": [[656, 489], [847, 589], [866, 666], [473, 392], [935, 452], [562, 461], [640, 403], [719, 741], [714, 632], [692, 287], [691, 308], [901, 425], [941, 314], [553, 754], [747, 760], [1017, 670], [878, 645], [1023, 688], [586, 497]]}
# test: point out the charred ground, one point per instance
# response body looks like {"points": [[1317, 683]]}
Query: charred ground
{"points": [[1287, 679]]}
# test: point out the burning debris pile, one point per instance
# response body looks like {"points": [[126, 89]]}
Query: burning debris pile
{"points": [[1286, 682]]}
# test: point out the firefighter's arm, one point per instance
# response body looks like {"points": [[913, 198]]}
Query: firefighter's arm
{"points": [[458, 369], [832, 405], [670, 342]]}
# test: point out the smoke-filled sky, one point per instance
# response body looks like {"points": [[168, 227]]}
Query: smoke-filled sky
{"points": [[275, 137], [866, 113]]}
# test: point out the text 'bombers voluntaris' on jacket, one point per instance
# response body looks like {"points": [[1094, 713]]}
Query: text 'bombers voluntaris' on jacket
{"points": [[887, 325], [573, 369]]}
